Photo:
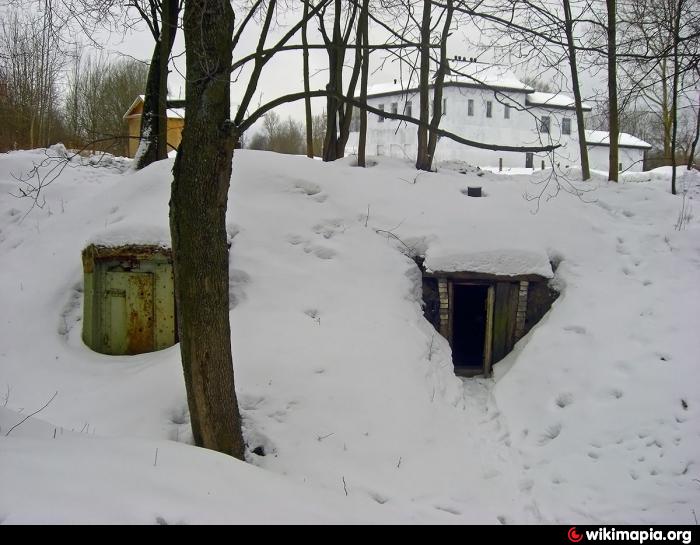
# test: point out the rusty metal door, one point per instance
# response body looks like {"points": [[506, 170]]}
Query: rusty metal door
{"points": [[128, 318]]}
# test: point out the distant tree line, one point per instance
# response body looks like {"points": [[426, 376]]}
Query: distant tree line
{"points": [[288, 136], [49, 95]]}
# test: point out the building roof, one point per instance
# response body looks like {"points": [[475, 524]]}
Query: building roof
{"points": [[602, 138], [554, 100], [175, 110], [466, 74]]}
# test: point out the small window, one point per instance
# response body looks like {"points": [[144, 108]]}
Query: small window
{"points": [[409, 109], [380, 118], [544, 124], [394, 108], [489, 106], [566, 126], [470, 107], [506, 112]]}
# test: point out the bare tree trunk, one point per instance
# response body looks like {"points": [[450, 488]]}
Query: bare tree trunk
{"points": [[345, 108], [443, 69], [168, 28], [362, 139], [422, 162], [613, 158], [674, 90], [307, 87], [580, 126], [334, 86], [666, 117], [197, 223], [694, 145], [154, 121]]}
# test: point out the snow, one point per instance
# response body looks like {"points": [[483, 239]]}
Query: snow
{"points": [[592, 418], [560, 100], [176, 113], [603, 138], [488, 75], [504, 261]]}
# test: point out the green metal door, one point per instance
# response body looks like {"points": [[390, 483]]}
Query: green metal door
{"points": [[128, 320]]}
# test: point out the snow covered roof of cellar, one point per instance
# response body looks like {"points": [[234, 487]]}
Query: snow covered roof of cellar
{"points": [[554, 100], [501, 262], [602, 138], [134, 234]]}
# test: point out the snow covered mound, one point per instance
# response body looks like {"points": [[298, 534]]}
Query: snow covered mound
{"points": [[344, 386]]}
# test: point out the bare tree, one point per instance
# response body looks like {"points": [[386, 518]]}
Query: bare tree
{"points": [[614, 123], [161, 17], [30, 66], [99, 92], [198, 203]]}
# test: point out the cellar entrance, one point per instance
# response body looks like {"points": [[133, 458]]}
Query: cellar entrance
{"points": [[469, 325]]}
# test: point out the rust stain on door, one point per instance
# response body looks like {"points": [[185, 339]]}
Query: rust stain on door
{"points": [[140, 332]]}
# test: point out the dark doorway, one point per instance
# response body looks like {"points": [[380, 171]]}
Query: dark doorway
{"points": [[469, 325], [529, 160]]}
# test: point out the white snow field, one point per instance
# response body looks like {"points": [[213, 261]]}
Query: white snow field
{"points": [[593, 418]]}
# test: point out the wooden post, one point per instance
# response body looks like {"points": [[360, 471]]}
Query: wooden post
{"points": [[488, 335], [542, 164], [500, 164]]}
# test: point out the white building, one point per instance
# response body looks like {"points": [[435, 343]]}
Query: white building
{"points": [[489, 104]]}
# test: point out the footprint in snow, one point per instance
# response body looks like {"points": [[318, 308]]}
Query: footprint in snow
{"points": [[307, 188], [617, 394], [576, 329], [564, 400], [329, 228], [295, 240], [320, 251], [551, 433]]}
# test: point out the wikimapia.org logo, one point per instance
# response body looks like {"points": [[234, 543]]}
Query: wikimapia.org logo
{"points": [[637, 536]]}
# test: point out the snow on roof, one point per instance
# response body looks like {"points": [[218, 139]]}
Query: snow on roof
{"points": [[501, 262], [488, 75], [491, 76], [172, 112], [556, 100], [602, 138], [136, 234]]}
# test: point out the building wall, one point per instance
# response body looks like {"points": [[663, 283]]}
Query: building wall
{"points": [[398, 139], [134, 128], [395, 138], [175, 126], [632, 159]]}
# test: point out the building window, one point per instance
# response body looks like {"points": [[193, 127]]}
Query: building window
{"points": [[544, 124], [409, 109], [394, 108], [506, 112], [566, 126], [380, 118], [470, 107], [489, 106]]}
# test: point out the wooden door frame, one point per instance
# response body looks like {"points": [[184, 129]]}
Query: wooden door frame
{"points": [[488, 333]]}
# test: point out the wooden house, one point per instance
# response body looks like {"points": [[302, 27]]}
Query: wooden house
{"points": [[176, 121]]}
